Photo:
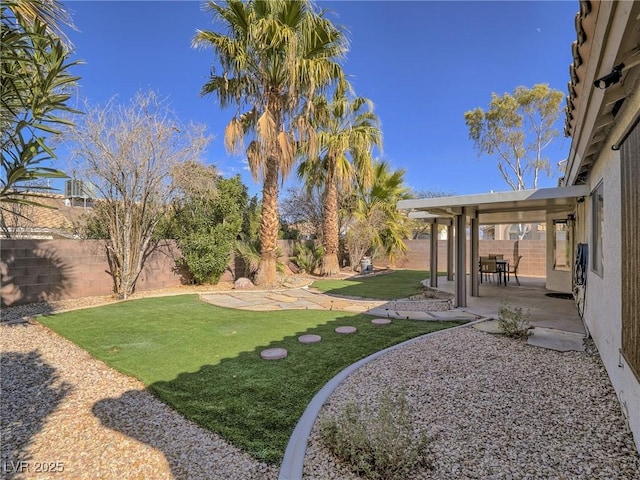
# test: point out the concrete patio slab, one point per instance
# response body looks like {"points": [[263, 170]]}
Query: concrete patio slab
{"points": [[490, 326], [556, 339], [454, 315]]}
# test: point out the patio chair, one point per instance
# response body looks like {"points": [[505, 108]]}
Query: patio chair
{"points": [[514, 269], [498, 256], [488, 268]]}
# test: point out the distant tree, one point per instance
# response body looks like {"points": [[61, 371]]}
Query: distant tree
{"points": [[516, 128], [272, 55], [35, 87], [207, 220], [419, 227], [303, 207], [431, 193], [288, 231], [251, 220], [129, 152]]}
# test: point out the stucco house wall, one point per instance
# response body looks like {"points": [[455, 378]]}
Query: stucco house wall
{"points": [[603, 109], [603, 311]]}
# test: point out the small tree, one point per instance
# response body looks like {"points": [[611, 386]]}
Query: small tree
{"points": [[303, 208], [208, 218], [375, 221], [129, 152]]}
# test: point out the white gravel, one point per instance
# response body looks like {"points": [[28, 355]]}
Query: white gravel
{"points": [[495, 408]]}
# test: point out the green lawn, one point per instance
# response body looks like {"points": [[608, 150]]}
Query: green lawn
{"points": [[398, 284], [205, 361]]}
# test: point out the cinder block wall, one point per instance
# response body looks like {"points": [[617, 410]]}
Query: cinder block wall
{"points": [[532, 263], [46, 270]]}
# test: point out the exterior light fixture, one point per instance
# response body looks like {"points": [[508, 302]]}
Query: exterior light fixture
{"points": [[610, 79], [571, 220]]}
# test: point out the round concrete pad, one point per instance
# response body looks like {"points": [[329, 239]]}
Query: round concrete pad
{"points": [[381, 321], [309, 338], [273, 353], [346, 330]]}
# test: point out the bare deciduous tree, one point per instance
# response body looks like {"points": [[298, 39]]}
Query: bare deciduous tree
{"points": [[303, 209], [128, 152]]}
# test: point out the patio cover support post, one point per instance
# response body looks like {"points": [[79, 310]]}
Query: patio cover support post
{"points": [[461, 259], [450, 256], [475, 256], [434, 254]]}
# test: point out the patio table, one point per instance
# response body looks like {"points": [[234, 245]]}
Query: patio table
{"points": [[502, 267]]}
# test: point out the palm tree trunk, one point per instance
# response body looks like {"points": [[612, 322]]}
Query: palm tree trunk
{"points": [[331, 235], [266, 274]]}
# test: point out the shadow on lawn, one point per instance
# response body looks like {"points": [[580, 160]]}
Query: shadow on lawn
{"points": [[252, 403], [30, 393]]}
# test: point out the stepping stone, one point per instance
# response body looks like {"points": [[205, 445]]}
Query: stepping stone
{"points": [[381, 321], [309, 338], [346, 330], [273, 353]]}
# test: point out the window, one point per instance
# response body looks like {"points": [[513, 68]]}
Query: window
{"points": [[597, 228], [561, 246]]}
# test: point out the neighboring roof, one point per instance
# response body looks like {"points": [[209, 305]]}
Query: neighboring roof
{"points": [[608, 35], [500, 207], [60, 220]]}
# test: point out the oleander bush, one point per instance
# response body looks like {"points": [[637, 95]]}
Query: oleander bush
{"points": [[377, 443]]}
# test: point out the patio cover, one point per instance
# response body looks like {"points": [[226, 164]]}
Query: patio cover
{"points": [[515, 206], [522, 206]]}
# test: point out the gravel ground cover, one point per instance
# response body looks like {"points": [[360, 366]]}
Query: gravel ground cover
{"points": [[65, 415], [495, 408]]}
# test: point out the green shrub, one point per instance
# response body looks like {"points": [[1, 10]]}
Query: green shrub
{"points": [[380, 443], [249, 252], [207, 254], [512, 321], [308, 258]]}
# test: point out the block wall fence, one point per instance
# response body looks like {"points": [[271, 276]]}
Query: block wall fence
{"points": [[532, 264], [49, 270]]}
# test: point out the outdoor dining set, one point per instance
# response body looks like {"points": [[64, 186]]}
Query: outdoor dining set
{"points": [[496, 266]]}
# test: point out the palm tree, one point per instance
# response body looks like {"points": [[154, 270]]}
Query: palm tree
{"points": [[348, 130], [273, 55], [376, 222]]}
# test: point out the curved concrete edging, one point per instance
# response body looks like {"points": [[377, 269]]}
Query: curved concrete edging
{"points": [[293, 462]]}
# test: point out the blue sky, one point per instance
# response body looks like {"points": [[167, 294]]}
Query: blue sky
{"points": [[422, 63]]}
